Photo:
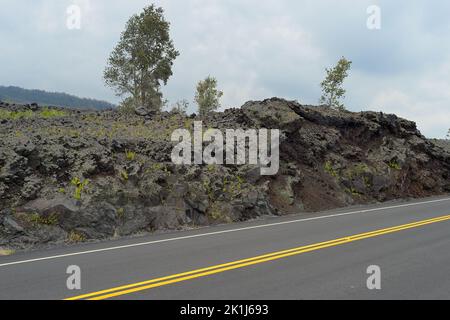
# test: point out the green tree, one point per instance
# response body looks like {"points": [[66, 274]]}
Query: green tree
{"points": [[448, 134], [142, 60], [332, 90], [208, 96]]}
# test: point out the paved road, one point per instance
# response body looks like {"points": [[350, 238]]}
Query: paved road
{"points": [[320, 256]]}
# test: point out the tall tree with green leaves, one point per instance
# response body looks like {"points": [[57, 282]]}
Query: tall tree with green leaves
{"points": [[142, 60], [208, 96], [332, 90], [448, 135]]}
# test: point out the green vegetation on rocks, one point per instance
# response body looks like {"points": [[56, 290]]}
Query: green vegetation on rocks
{"points": [[97, 175], [45, 113]]}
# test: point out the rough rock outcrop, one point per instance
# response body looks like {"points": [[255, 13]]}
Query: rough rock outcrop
{"points": [[72, 176]]}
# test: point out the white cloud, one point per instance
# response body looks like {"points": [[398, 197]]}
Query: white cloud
{"points": [[428, 104], [255, 48], [45, 19]]}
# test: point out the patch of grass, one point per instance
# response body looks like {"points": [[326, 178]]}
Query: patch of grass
{"points": [[36, 219], [216, 213], [18, 134], [361, 168], [79, 187], [329, 168], [130, 155], [353, 192], [367, 182], [233, 186], [393, 164], [158, 167], [15, 115], [76, 237], [47, 113], [357, 170], [208, 189], [6, 252], [124, 175], [125, 126], [121, 213]]}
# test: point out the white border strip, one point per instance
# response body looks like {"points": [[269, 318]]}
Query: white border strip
{"points": [[218, 232]]}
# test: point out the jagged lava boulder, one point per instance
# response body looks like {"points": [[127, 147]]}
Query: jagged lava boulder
{"points": [[72, 176]]}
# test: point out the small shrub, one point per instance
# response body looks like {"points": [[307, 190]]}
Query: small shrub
{"points": [[124, 175], [18, 134], [36, 219], [367, 182], [353, 191], [357, 170], [157, 167], [130, 155], [394, 165], [329, 168], [47, 113], [76, 237], [240, 181], [121, 213], [216, 213], [208, 190], [233, 187], [79, 187], [6, 252]]}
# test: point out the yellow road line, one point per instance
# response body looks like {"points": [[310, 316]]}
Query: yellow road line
{"points": [[158, 282]]}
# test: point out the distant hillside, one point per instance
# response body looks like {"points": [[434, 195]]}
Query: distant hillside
{"points": [[22, 96]]}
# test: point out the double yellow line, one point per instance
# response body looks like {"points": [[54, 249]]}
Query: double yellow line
{"points": [[180, 277]]}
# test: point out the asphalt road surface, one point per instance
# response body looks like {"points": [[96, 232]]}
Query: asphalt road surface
{"points": [[314, 256]]}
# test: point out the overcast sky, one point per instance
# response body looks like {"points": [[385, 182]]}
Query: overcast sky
{"points": [[255, 48]]}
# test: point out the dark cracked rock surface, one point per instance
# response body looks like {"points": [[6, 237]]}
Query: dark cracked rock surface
{"points": [[69, 176]]}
